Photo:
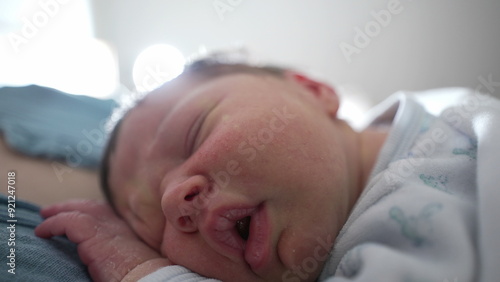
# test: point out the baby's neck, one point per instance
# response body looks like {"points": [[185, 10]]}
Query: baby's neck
{"points": [[362, 150], [371, 141]]}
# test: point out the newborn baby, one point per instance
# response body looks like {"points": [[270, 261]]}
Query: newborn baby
{"points": [[245, 173]]}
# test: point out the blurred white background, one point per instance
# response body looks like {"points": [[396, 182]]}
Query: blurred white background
{"points": [[368, 48]]}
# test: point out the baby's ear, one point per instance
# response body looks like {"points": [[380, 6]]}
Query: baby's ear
{"points": [[325, 94]]}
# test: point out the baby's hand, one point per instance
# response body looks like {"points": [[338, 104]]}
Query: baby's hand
{"points": [[106, 244]]}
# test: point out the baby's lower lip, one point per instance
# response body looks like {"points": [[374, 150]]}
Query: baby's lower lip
{"points": [[257, 248]]}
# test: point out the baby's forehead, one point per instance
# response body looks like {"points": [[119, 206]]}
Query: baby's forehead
{"points": [[161, 100]]}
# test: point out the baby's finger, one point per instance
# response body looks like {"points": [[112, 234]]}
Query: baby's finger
{"points": [[93, 207], [77, 226]]}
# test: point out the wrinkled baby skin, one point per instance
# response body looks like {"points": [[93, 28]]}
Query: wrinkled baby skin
{"points": [[106, 244], [246, 177]]}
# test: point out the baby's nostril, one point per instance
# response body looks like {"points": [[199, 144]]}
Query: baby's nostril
{"points": [[189, 197]]}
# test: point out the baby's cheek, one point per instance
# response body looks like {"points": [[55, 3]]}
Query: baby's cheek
{"points": [[147, 218], [150, 232], [219, 146]]}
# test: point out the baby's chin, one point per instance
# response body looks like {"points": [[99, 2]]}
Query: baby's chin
{"points": [[305, 259], [231, 271], [299, 274], [243, 276], [307, 269]]}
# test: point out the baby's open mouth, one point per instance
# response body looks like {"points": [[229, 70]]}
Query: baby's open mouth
{"points": [[243, 227], [242, 232], [231, 227]]}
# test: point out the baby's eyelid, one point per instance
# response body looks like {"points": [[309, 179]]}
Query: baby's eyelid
{"points": [[195, 144], [193, 134], [197, 128]]}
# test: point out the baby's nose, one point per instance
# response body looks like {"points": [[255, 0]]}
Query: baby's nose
{"points": [[183, 203]]}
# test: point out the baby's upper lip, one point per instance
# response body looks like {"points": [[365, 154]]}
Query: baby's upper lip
{"points": [[221, 231], [221, 228]]}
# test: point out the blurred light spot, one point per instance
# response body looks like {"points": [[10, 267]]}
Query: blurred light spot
{"points": [[157, 65], [353, 106]]}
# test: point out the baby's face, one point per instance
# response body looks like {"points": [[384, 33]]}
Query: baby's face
{"points": [[242, 177]]}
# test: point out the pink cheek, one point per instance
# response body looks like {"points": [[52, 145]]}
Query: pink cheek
{"points": [[220, 147], [252, 146]]}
